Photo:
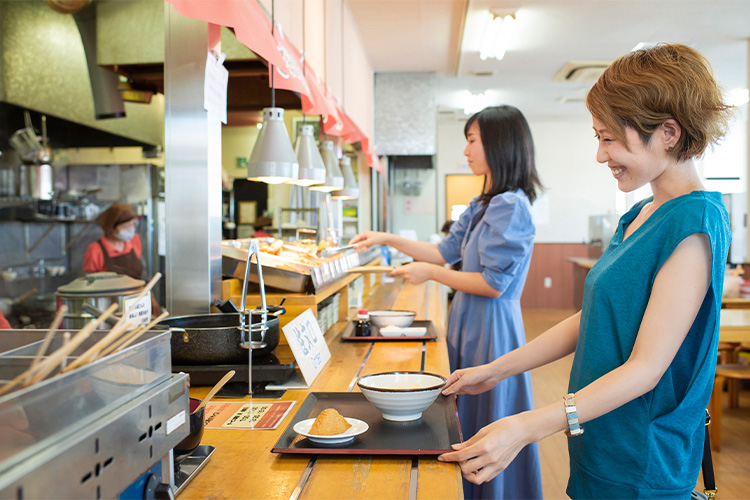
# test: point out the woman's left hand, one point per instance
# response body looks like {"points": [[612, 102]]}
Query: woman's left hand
{"points": [[415, 273], [489, 451]]}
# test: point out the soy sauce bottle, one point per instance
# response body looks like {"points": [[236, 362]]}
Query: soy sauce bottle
{"points": [[362, 329]]}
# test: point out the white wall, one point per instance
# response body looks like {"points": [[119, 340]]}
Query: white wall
{"points": [[576, 186]]}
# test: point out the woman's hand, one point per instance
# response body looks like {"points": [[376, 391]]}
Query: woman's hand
{"points": [[474, 380], [491, 450], [415, 273], [366, 239]]}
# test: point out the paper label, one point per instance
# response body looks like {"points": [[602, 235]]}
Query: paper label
{"points": [[215, 87], [175, 422], [140, 314]]}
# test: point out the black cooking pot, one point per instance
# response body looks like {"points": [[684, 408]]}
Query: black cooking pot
{"points": [[214, 339]]}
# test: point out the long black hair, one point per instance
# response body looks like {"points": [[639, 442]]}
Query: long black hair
{"points": [[509, 150]]}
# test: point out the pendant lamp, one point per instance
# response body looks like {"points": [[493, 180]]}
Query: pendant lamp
{"points": [[334, 179], [350, 190], [272, 160], [312, 170]]}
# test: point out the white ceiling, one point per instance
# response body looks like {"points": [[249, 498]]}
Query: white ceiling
{"points": [[426, 35]]}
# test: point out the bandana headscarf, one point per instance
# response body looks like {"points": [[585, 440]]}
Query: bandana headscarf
{"points": [[114, 215]]}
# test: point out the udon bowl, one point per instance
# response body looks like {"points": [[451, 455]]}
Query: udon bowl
{"points": [[401, 396], [401, 319]]}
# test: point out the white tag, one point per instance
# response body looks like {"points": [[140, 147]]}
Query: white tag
{"points": [[140, 314], [175, 422], [307, 344]]}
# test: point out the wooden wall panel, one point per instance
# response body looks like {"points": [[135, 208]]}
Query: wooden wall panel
{"points": [[550, 260]]}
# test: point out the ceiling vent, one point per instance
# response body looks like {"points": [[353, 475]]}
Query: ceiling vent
{"points": [[482, 73], [581, 71]]}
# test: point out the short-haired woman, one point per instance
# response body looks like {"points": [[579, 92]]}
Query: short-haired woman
{"points": [[646, 338], [493, 239]]}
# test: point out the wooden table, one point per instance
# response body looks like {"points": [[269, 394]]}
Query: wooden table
{"points": [[734, 326], [244, 467]]}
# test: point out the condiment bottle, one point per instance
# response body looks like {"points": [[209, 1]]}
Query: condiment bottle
{"points": [[363, 324]]}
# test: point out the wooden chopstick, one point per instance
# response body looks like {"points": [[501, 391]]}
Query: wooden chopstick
{"points": [[131, 337]]}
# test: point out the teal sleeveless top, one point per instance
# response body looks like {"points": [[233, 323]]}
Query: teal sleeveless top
{"points": [[651, 447]]}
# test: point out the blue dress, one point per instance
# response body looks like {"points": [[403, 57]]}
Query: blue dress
{"points": [[652, 446], [481, 329]]}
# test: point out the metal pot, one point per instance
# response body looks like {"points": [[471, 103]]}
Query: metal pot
{"points": [[214, 339], [99, 290]]}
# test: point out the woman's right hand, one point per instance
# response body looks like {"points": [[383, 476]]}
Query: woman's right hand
{"points": [[366, 239], [474, 380]]}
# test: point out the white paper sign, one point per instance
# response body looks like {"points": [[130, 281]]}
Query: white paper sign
{"points": [[308, 345], [215, 87], [140, 314]]}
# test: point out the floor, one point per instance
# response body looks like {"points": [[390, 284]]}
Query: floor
{"points": [[731, 464]]}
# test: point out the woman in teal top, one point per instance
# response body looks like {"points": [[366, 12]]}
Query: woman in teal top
{"points": [[646, 339]]}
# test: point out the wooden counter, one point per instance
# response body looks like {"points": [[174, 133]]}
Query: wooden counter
{"points": [[244, 467]]}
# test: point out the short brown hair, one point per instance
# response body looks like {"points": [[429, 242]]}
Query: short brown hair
{"points": [[644, 88]]}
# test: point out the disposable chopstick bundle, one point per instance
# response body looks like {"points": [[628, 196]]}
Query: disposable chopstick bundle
{"points": [[131, 336]]}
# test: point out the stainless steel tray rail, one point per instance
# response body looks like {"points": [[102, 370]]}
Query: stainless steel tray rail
{"points": [[91, 432]]}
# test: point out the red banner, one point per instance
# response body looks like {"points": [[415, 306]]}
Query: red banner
{"points": [[253, 29]]}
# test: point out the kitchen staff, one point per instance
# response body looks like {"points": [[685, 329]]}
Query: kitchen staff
{"points": [[646, 339], [119, 249], [4, 325], [493, 240]]}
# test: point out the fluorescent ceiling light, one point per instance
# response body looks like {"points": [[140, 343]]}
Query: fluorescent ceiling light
{"points": [[738, 97], [498, 32], [474, 102]]}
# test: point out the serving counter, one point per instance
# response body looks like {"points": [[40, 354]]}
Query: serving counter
{"points": [[244, 467]]}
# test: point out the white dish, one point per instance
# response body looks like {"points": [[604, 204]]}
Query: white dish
{"points": [[402, 319], [357, 428], [401, 396], [395, 331]]}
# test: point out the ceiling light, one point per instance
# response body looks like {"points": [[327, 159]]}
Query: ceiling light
{"points": [[738, 97], [474, 102], [498, 32], [334, 178], [312, 170], [272, 160], [351, 189]]}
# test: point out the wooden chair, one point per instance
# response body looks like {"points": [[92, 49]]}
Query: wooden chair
{"points": [[732, 373]]}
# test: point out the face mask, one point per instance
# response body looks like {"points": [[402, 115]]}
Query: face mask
{"points": [[126, 235]]}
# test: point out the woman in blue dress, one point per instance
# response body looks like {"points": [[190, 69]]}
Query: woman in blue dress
{"points": [[646, 339], [493, 240]]}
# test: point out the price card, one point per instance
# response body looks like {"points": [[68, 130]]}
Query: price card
{"points": [[308, 345]]}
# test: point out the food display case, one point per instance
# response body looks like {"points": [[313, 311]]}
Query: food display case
{"points": [[290, 267]]}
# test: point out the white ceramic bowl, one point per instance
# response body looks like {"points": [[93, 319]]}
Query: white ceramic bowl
{"points": [[392, 318], [401, 396]]}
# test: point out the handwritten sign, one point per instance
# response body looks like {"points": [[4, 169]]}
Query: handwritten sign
{"points": [[308, 345], [140, 313], [215, 87]]}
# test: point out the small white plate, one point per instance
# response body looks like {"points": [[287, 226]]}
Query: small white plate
{"points": [[357, 428], [394, 331]]}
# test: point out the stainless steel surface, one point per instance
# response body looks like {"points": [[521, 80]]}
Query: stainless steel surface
{"points": [[91, 432], [193, 170], [191, 466]]}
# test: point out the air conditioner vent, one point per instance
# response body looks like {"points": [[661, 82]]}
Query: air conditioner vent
{"points": [[581, 71]]}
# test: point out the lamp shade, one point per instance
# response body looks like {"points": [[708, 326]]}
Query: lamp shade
{"points": [[350, 190], [312, 170], [334, 178], [272, 160]]}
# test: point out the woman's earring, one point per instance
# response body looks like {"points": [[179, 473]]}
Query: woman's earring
{"points": [[671, 148]]}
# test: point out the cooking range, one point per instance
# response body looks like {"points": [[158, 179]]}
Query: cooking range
{"points": [[97, 431]]}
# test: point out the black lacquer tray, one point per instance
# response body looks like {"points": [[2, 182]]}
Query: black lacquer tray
{"points": [[432, 434], [376, 337]]}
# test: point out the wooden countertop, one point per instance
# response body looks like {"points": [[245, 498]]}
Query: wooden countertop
{"points": [[244, 467]]}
